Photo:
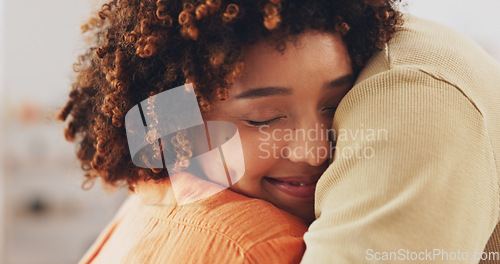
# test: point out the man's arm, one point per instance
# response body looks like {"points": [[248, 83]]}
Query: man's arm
{"points": [[413, 172]]}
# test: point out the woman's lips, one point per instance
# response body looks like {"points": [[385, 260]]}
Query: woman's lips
{"points": [[301, 187]]}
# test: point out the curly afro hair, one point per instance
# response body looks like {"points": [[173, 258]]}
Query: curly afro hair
{"points": [[139, 48]]}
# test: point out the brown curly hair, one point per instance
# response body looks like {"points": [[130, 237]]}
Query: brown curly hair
{"points": [[139, 48]]}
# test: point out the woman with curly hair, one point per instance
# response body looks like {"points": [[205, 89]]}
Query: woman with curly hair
{"points": [[429, 180]]}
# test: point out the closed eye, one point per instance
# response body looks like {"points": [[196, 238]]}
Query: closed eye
{"points": [[262, 123], [330, 109]]}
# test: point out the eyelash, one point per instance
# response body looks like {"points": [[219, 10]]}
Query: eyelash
{"points": [[267, 122], [333, 109], [262, 123]]}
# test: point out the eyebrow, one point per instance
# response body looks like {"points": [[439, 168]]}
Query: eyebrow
{"points": [[347, 79], [274, 90]]}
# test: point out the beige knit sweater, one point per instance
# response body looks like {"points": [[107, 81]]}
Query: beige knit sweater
{"points": [[416, 166]]}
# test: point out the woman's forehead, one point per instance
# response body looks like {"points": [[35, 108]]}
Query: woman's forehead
{"points": [[312, 54]]}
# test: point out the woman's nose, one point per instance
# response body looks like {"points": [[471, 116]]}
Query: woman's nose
{"points": [[310, 144]]}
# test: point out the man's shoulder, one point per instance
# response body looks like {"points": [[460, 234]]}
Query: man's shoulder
{"points": [[429, 47], [421, 42], [422, 52]]}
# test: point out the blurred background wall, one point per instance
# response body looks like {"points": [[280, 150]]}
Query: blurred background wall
{"points": [[2, 92], [45, 217]]}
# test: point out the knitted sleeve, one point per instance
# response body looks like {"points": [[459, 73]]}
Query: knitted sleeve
{"points": [[413, 177]]}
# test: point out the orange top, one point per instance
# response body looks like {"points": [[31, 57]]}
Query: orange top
{"points": [[151, 227]]}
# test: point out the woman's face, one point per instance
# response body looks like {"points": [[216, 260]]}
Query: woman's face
{"points": [[282, 106]]}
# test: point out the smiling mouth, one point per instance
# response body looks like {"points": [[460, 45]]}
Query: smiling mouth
{"points": [[300, 187]]}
